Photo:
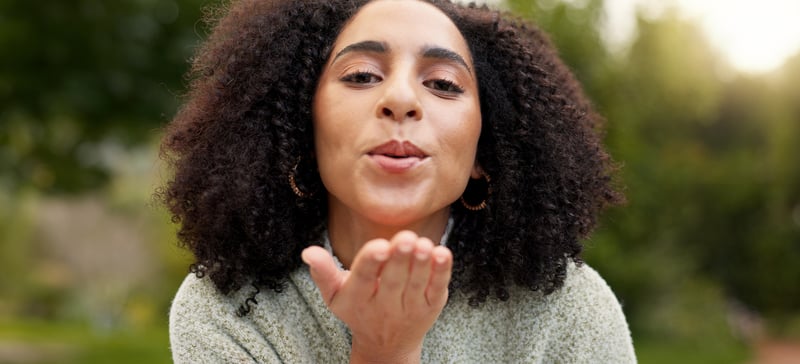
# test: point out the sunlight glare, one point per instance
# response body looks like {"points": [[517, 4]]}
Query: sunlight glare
{"points": [[754, 36]]}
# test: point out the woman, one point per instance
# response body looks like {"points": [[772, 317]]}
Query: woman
{"points": [[433, 165]]}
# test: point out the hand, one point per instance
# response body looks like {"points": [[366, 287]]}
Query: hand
{"points": [[390, 298]]}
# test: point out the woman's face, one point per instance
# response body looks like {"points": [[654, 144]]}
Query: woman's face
{"points": [[397, 115]]}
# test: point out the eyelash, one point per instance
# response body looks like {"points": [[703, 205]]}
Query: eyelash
{"points": [[358, 77], [442, 85]]}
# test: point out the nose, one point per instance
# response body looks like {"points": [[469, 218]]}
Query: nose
{"points": [[399, 101]]}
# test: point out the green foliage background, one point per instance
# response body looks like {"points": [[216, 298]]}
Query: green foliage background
{"points": [[703, 256]]}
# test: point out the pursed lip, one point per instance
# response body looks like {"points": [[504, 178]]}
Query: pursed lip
{"points": [[397, 149], [396, 157]]}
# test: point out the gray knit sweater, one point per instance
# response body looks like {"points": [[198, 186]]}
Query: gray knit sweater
{"points": [[580, 323]]}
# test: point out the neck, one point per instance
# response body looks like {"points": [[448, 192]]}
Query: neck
{"points": [[348, 231]]}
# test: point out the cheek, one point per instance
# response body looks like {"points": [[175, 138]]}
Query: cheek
{"points": [[324, 116], [463, 136], [325, 144], [327, 151], [459, 141], [334, 133]]}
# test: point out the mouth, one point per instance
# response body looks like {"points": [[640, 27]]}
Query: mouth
{"points": [[395, 157], [398, 150]]}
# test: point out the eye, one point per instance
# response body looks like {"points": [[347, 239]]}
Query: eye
{"points": [[361, 77], [444, 86]]}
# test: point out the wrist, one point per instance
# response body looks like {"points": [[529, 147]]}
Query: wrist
{"points": [[365, 355]]}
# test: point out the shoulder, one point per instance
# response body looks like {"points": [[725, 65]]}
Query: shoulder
{"points": [[582, 322], [291, 326], [204, 327], [589, 302], [195, 300], [199, 302], [582, 284], [196, 292], [197, 319], [592, 325]]}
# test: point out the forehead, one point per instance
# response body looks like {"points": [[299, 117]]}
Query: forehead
{"points": [[402, 23]]}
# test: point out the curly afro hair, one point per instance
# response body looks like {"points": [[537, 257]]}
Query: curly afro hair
{"points": [[247, 122]]}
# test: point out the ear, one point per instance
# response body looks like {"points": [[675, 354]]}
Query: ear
{"points": [[477, 171]]}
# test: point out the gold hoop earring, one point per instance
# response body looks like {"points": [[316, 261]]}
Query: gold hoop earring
{"points": [[482, 205], [293, 183]]}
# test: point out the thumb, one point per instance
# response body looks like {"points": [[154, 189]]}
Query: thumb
{"points": [[324, 272]]}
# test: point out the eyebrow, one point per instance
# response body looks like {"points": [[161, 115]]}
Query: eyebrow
{"points": [[365, 46], [381, 47], [446, 54]]}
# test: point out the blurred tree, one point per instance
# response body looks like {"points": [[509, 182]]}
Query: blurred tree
{"points": [[707, 155], [708, 164], [574, 27], [752, 194], [80, 77], [655, 99]]}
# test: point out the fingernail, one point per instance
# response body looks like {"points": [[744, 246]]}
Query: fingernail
{"points": [[382, 256], [422, 255], [405, 247], [439, 259]]}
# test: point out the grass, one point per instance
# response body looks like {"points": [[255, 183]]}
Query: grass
{"points": [[42, 342], [652, 351]]}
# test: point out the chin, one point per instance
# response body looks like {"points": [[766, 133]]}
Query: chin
{"points": [[395, 217], [398, 215]]}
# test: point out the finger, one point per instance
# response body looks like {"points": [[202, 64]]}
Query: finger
{"points": [[436, 293], [420, 275], [366, 268], [395, 272], [324, 272]]}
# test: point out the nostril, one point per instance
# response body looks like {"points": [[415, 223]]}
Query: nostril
{"points": [[387, 112], [412, 113]]}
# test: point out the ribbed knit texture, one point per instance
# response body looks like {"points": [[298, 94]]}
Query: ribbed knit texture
{"points": [[580, 323]]}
